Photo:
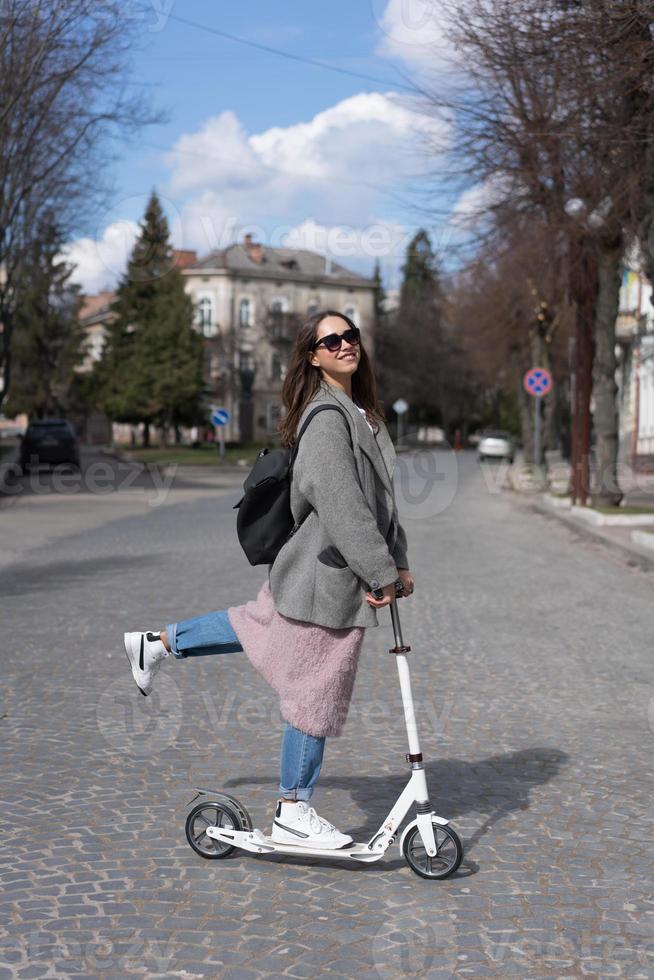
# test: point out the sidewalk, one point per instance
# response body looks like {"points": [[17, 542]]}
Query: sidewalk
{"points": [[634, 541], [8, 468]]}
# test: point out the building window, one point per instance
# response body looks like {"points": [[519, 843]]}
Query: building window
{"points": [[246, 360], [273, 415], [353, 314], [276, 370], [245, 313], [205, 318], [312, 308], [97, 346], [214, 367]]}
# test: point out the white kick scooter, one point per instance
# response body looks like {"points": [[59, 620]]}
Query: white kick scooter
{"points": [[219, 824]]}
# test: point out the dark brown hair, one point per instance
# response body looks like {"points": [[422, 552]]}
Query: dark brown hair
{"points": [[303, 379]]}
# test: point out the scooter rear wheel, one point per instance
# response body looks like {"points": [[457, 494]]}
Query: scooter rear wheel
{"points": [[444, 863], [215, 813]]}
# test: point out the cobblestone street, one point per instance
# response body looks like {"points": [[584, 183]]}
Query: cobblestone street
{"points": [[532, 671]]}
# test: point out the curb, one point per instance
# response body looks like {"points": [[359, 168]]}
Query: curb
{"points": [[181, 468], [632, 554], [644, 538], [8, 475]]}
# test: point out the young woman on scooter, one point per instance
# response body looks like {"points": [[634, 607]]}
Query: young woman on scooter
{"points": [[304, 630]]}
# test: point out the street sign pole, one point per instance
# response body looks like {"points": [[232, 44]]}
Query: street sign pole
{"points": [[220, 431], [400, 407], [537, 431], [537, 382]]}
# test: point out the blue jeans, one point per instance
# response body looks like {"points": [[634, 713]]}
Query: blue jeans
{"points": [[302, 753]]}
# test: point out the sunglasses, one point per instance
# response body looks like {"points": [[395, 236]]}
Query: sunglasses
{"points": [[333, 341]]}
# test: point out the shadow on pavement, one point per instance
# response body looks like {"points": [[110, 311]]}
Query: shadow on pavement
{"points": [[496, 787], [58, 575]]}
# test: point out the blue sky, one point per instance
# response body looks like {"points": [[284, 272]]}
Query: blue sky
{"points": [[294, 153]]}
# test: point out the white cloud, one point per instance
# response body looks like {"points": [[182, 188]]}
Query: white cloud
{"points": [[100, 261], [327, 176], [418, 33], [218, 155], [414, 32], [474, 204], [378, 239], [358, 137], [334, 167]]}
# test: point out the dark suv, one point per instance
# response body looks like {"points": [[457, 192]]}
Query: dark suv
{"points": [[49, 441]]}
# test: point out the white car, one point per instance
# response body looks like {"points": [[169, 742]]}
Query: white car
{"points": [[495, 444]]}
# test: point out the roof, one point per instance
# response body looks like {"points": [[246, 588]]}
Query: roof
{"points": [[183, 257], [278, 263], [97, 304]]}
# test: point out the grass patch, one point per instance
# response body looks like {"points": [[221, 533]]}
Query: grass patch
{"points": [[625, 510], [205, 455]]}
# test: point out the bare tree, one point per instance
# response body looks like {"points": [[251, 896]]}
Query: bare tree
{"points": [[510, 312], [554, 119], [65, 93]]}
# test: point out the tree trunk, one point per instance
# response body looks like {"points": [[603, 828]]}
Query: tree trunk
{"points": [[526, 409], [583, 292], [606, 491], [6, 330], [146, 435]]}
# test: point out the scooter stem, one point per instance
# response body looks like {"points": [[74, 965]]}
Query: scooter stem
{"points": [[400, 650], [397, 628]]}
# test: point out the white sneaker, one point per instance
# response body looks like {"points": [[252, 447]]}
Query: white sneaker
{"points": [[298, 823], [145, 651]]}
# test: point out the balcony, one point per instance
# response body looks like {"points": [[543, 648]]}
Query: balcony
{"points": [[281, 327]]}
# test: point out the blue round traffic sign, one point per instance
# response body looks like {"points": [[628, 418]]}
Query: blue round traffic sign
{"points": [[220, 416], [537, 382]]}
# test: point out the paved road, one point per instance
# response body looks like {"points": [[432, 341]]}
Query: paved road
{"points": [[533, 676]]}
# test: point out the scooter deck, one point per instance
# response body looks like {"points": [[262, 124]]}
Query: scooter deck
{"points": [[257, 842]]}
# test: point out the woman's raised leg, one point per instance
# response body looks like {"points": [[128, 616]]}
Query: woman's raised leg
{"points": [[198, 637]]}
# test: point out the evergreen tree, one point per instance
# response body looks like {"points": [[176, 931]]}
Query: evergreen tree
{"points": [[420, 290], [48, 340], [410, 340], [151, 368], [379, 294]]}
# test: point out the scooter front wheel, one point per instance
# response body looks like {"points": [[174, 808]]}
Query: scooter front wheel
{"points": [[442, 864], [218, 812]]}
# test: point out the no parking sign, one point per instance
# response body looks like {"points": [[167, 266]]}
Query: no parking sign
{"points": [[537, 382]]}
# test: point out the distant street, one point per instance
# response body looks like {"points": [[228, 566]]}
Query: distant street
{"points": [[532, 670]]}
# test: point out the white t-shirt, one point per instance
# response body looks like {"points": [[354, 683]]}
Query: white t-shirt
{"points": [[363, 412]]}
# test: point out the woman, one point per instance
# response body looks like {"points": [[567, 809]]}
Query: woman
{"points": [[304, 630]]}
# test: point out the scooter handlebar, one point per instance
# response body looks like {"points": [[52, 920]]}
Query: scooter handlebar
{"points": [[399, 590]]}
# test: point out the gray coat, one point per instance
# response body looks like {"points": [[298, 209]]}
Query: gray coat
{"points": [[350, 538]]}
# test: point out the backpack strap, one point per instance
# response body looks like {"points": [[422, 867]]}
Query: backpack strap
{"points": [[320, 408]]}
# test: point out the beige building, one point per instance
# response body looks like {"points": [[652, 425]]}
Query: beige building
{"points": [[635, 347], [249, 301]]}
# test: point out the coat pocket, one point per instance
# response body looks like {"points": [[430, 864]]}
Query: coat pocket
{"points": [[332, 557]]}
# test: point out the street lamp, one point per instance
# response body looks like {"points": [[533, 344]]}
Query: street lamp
{"points": [[246, 406]]}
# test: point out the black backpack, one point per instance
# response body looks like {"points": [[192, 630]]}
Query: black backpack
{"points": [[265, 521]]}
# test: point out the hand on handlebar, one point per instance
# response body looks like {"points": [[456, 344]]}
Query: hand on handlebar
{"points": [[381, 597], [397, 590]]}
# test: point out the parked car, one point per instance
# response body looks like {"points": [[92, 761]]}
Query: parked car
{"points": [[50, 441], [495, 444]]}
